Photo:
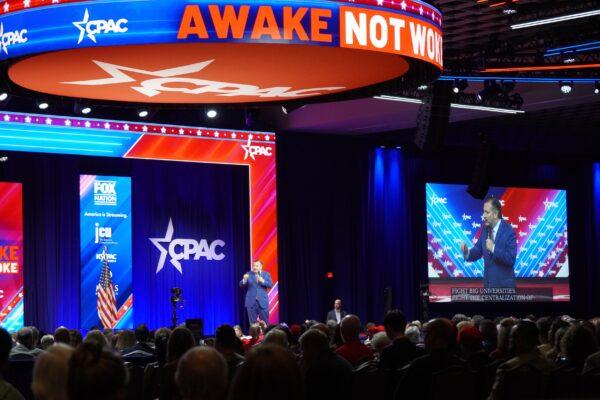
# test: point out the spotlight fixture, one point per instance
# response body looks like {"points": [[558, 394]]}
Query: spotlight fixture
{"points": [[565, 87], [86, 110], [211, 113], [82, 107], [284, 110], [143, 113], [42, 104], [460, 85], [3, 96], [597, 87]]}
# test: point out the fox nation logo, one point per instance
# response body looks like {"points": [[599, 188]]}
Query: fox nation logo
{"points": [[105, 193]]}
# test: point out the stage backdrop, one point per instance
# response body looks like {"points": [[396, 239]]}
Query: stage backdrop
{"points": [[191, 230], [11, 256]]}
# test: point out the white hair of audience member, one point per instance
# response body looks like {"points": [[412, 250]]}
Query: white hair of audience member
{"points": [[379, 341], [50, 373], [417, 323], [277, 337], [202, 374], [47, 341], [413, 333]]}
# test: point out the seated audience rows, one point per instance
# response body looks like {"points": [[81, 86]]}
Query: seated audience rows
{"points": [[462, 357]]}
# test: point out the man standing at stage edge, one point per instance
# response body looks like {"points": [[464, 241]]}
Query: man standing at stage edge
{"points": [[497, 245], [257, 282]]}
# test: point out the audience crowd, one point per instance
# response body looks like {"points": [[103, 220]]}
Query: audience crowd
{"points": [[463, 357]]}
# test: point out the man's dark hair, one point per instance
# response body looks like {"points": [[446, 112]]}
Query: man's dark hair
{"points": [[142, 333], [526, 333], [25, 337], [225, 337], [396, 320], [544, 324], [496, 205], [5, 346], [577, 344]]}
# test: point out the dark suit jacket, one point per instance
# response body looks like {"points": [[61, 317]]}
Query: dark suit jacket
{"points": [[257, 291], [499, 265], [331, 315]]}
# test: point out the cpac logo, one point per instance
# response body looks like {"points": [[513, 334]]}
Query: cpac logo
{"points": [[105, 193], [437, 200], [102, 235], [550, 204], [172, 80], [8, 39], [252, 151], [98, 27], [183, 249]]}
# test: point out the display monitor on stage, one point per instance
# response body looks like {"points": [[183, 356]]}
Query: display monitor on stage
{"points": [[511, 246]]}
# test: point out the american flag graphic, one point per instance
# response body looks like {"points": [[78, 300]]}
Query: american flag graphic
{"points": [[105, 296]]}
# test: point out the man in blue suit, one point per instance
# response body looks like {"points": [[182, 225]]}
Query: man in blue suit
{"points": [[257, 282], [497, 245]]}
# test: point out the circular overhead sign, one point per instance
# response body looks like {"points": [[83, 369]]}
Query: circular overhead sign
{"points": [[198, 51]]}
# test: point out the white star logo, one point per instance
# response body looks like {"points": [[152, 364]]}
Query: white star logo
{"points": [[26, 3], [421, 10], [48, 121], [233, 135], [145, 128], [87, 124], [81, 26], [379, 2], [6, 7], [126, 127], [163, 130], [181, 131], [403, 5], [68, 122], [163, 251], [106, 125], [7, 118], [247, 148], [199, 132], [28, 119]]}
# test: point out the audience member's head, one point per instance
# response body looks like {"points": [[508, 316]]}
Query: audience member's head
{"points": [[125, 340], [577, 344], [75, 338], [323, 328], [96, 336], [25, 337], [61, 335], [459, 318], [47, 341], [226, 339], [313, 344], [413, 333], [463, 324], [161, 339], [269, 372], [202, 374], [440, 334], [276, 337], [6, 344], [180, 341], [489, 332], [543, 325], [554, 327], [380, 341], [238, 331], [477, 320], [96, 373], [350, 328], [51, 372], [394, 323], [141, 333], [35, 335], [255, 331], [523, 337], [504, 330], [469, 339]]}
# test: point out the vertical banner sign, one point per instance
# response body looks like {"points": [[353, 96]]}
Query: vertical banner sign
{"points": [[11, 256], [106, 265]]}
